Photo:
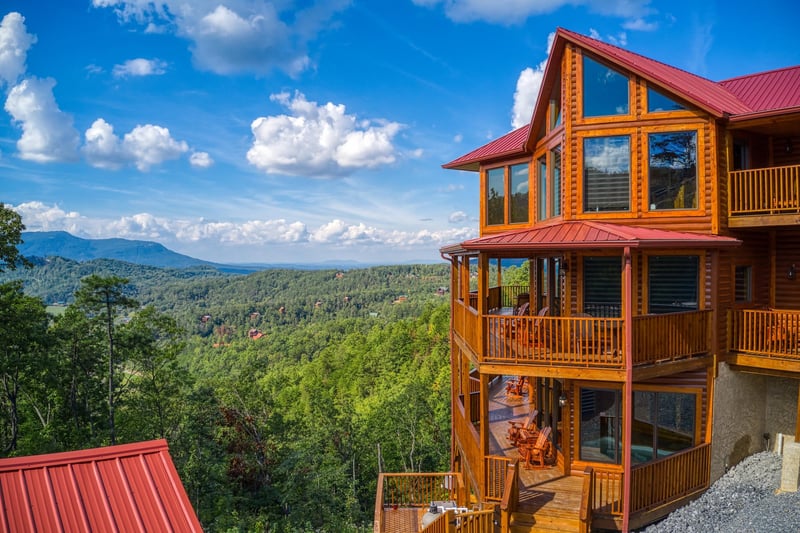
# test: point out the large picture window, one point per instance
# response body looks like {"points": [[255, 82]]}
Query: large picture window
{"points": [[658, 102], [495, 196], [673, 283], [605, 91], [673, 170], [519, 193], [663, 423], [606, 173]]}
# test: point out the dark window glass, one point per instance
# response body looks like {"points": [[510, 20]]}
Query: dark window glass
{"points": [[602, 286], [744, 283], [673, 283], [605, 91], [606, 173], [495, 196], [601, 425], [657, 102], [673, 170], [663, 423], [555, 161], [541, 194], [519, 193]]}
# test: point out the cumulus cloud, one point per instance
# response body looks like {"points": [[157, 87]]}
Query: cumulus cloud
{"points": [[245, 36], [48, 134], [139, 67], [456, 217], [200, 160], [38, 216], [144, 146], [528, 84], [517, 11], [319, 140], [14, 44]]}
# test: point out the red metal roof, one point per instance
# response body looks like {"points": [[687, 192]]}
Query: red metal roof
{"points": [[703, 92], [767, 91], [576, 234], [131, 487], [509, 144]]}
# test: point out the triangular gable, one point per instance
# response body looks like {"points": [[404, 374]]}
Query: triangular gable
{"points": [[131, 487]]}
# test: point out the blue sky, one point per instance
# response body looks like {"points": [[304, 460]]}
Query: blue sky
{"points": [[283, 131]]}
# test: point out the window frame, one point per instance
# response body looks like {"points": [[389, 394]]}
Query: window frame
{"points": [[583, 119], [507, 195], [633, 139], [700, 176]]}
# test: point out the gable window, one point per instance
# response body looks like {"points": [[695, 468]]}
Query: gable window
{"points": [[606, 173], [673, 283], [673, 170], [605, 91], [507, 195], [663, 424], [657, 102]]}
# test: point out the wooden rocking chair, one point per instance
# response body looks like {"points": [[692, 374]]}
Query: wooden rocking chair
{"points": [[515, 428], [535, 450]]}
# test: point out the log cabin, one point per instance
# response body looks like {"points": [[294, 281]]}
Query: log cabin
{"points": [[637, 264]]}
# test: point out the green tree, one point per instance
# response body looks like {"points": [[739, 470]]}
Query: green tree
{"points": [[105, 298], [23, 334], [11, 228]]}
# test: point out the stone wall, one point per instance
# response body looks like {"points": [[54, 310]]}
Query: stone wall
{"points": [[781, 407], [740, 418]]}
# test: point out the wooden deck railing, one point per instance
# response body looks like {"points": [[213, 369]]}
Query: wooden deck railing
{"points": [[675, 476], [660, 338], [510, 499], [757, 191], [587, 497], [414, 489], [467, 323], [772, 333], [572, 341], [496, 467], [607, 491]]}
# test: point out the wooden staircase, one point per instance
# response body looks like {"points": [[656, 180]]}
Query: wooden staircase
{"points": [[544, 522]]}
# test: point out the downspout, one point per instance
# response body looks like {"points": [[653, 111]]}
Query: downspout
{"points": [[628, 402]]}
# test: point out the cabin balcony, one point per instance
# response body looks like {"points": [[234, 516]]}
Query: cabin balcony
{"points": [[552, 343], [764, 197], [764, 338]]}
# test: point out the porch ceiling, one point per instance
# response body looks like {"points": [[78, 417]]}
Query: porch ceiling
{"points": [[577, 235]]}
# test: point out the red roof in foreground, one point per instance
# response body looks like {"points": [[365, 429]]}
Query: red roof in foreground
{"points": [[576, 234], [131, 487]]}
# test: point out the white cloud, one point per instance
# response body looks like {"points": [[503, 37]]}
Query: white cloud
{"points": [[144, 146], [458, 138], [200, 160], [14, 44], [517, 11], [457, 217], [319, 140], [140, 67], [38, 216], [254, 36], [528, 84], [640, 24], [48, 134]]}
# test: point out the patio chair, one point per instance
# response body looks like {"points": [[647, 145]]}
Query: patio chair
{"points": [[516, 386], [516, 428], [535, 451]]}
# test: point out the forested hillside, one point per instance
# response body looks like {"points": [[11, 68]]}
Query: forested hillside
{"points": [[281, 393]]}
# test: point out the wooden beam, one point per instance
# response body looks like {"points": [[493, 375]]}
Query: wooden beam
{"points": [[665, 369], [588, 374]]}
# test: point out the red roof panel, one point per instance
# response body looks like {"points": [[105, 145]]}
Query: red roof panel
{"points": [[509, 144], [572, 235], [767, 91], [131, 487]]}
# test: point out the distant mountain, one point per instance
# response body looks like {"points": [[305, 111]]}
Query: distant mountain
{"points": [[62, 244]]}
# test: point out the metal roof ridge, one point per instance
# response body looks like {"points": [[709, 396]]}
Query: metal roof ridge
{"points": [[83, 456]]}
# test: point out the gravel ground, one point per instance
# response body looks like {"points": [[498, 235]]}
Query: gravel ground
{"points": [[745, 499]]}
